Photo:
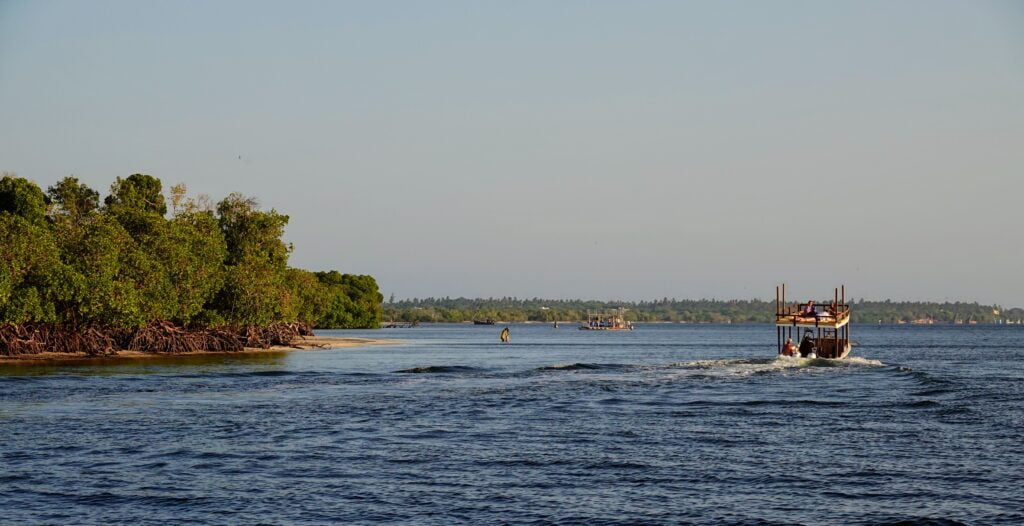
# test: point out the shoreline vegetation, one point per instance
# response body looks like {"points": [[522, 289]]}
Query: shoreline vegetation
{"points": [[307, 343], [462, 310], [140, 273], [134, 275]]}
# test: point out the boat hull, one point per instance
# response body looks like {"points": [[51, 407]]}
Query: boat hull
{"points": [[844, 351], [827, 349]]}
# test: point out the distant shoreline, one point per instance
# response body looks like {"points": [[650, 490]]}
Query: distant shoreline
{"points": [[689, 311], [574, 323], [309, 343]]}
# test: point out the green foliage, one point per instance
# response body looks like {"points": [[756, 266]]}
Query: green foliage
{"points": [[32, 278], [192, 252], [73, 199], [21, 197], [354, 301], [138, 192], [117, 282], [126, 265], [250, 232], [136, 203], [255, 291], [365, 295], [339, 313], [308, 298]]}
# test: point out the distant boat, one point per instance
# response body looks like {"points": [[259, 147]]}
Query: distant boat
{"points": [[488, 321], [607, 321], [399, 324]]}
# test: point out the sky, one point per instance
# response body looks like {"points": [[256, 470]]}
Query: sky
{"points": [[592, 149]]}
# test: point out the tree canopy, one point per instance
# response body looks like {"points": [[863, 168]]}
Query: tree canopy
{"points": [[74, 199], [21, 197], [67, 261]]}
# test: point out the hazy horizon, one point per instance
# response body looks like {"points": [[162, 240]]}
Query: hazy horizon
{"points": [[559, 150]]}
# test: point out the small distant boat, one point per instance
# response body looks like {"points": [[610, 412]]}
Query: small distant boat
{"points": [[399, 324], [825, 326], [607, 321], [488, 321]]}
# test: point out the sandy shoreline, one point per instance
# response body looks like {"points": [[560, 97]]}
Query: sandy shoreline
{"points": [[309, 343]]}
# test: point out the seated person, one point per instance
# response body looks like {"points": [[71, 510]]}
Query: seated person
{"points": [[807, 311], [806, 346], [789, 349]]}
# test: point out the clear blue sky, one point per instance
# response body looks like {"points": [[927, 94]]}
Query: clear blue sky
{"points": [[614, 150]]}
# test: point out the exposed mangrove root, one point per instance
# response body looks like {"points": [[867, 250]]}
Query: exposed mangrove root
{"points": [[165, 337], [89, 341], [20, 339], [156, 337], [30, 338], [274, 334]]}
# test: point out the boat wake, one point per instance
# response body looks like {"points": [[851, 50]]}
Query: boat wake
{"points": [[720, 368], [439, 369], [742, 367], [580, 367]]}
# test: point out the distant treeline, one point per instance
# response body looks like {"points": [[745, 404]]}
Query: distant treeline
{"points": [[682, 311], [71, 262]]}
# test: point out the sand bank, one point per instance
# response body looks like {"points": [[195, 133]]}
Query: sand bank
{"points": [[309, 343]]}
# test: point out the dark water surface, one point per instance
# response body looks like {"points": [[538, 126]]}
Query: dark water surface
{"points": [[666, 424]]}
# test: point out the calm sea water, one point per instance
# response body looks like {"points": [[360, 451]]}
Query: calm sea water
{"points": [[666, 424]]}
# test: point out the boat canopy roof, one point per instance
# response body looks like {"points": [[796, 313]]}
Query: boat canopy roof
{"points": [[823, 319], [826, 314]]}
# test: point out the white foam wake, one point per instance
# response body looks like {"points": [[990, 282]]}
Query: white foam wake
{"points": [[742, 367]]}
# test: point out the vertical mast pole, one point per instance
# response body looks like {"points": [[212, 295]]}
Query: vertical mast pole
{"points": [[778, 330], [846, 328]]}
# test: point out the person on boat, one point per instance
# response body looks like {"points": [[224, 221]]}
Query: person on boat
{"points": [[806, 345], [505, 338], [789, 349], [808, 310]]}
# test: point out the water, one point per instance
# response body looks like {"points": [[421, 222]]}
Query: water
{"points": [[666, 424]]}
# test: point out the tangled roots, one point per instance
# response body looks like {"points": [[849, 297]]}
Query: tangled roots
{"points": [[30, 338], [274, 334], [165, 337], [155, 337]]}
